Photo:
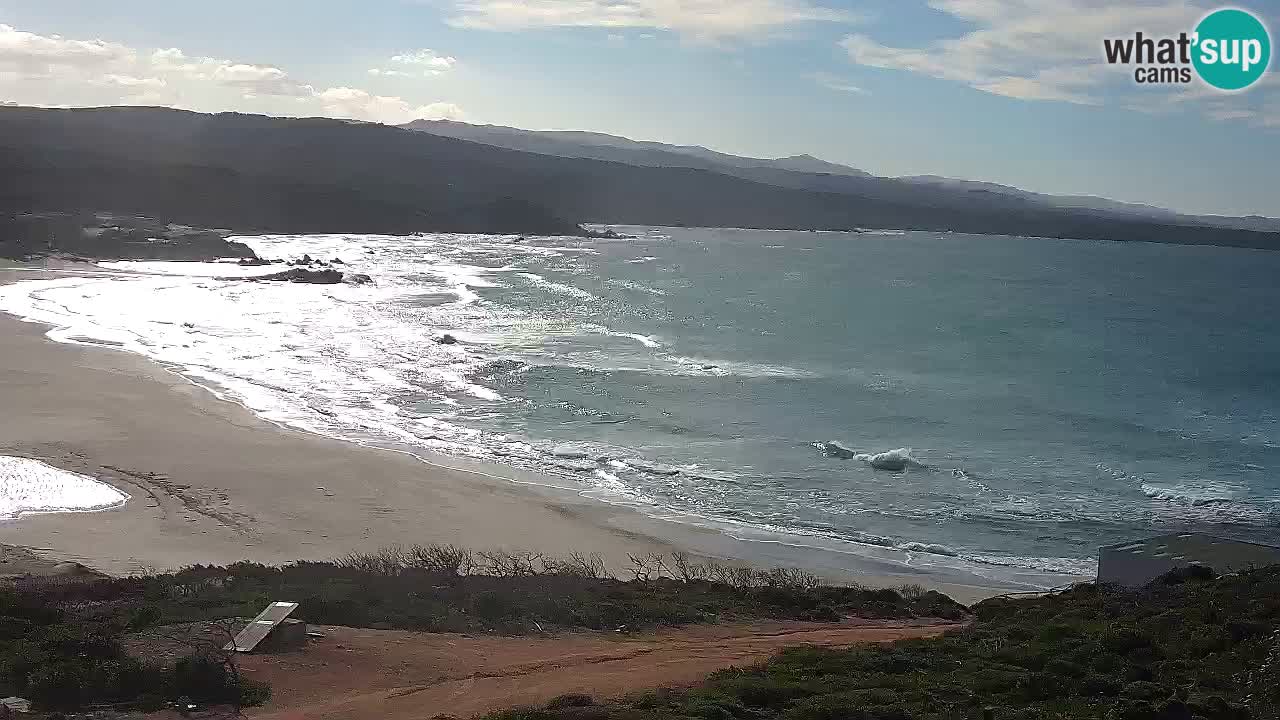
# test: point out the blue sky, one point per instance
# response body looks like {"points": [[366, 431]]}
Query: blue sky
{"points": [[1009, 91]]}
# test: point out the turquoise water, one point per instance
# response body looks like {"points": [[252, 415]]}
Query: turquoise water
{"points": [[1059, 394]]}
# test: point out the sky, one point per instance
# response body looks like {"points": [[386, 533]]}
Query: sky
{"points": [[1009, 91]]}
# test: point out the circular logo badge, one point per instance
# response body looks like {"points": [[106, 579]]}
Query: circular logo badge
{"points": [[1232, 49]]}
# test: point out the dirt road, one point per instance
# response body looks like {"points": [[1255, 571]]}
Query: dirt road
{"points": [[393, 675]]}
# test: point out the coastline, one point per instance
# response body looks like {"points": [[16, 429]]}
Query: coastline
{"points": [[211, 482]]}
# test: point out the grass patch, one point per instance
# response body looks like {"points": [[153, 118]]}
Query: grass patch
{"points": [[1189, 645]]}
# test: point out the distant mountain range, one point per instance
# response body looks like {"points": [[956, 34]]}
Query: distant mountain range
{"points": [[1100, 204], [252, 173], [799, 171], [599, 146]]}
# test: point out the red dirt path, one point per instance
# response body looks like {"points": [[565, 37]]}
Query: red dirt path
{"points": [[396, 675]]}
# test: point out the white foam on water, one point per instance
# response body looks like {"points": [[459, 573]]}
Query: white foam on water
{"points": [[1206, 500], [701, 366], [194, 269], [896, 460], [629, 285], [1184, 494], [570, 451], [610, 479], [931, 548], [31, 486], [355, 362], [561, 288], [578, 466], [653, 468], [649, 341]]}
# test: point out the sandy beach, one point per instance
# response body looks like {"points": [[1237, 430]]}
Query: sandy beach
{"points": [[210, 482]]}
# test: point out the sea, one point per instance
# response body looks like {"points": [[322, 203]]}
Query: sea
{"points": [[997, 405]]}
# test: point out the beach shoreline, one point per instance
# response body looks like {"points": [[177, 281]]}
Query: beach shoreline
{"points": [[212, 482]]}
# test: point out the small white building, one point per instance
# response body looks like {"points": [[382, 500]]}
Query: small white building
{"points": [[273, 630], [1136, 563]]}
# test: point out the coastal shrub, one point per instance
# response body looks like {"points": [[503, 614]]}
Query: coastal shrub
{"points": [[66, 660], [60, 642], [572, 700], [448, 560], [447, 588], [214, 680], [1198, 648]]}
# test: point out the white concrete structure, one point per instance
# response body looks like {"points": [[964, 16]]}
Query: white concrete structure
{"points": [[1137, 563]]}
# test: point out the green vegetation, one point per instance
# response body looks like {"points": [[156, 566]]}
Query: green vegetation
{"points": [[1188, 646], [62, 641], [64, 658], [449, 589]]}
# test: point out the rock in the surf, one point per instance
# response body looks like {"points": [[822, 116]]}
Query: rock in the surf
{"points": [[300, 275], [893, 460], [835, 449]]}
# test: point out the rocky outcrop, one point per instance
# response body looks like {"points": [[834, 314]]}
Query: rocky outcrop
{"points": [[300, 275], [609, 234], [117, 237]]}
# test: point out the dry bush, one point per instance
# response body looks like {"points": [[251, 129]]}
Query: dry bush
{"points": [[649, 566], [684, 568], [503, 563], [911, 591], [389, 561], [448, 560], [788, 579], [585, 565], [738, 577]]}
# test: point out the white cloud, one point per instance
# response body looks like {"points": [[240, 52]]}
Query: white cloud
{"points": [[28, 52], [246, 78], [362, 105], [427, 62], [1052, 50], [707, 20], [129, 81], [1066, 83], [1232, 114], [52, 70], [1030, 49], [832, 82]]}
